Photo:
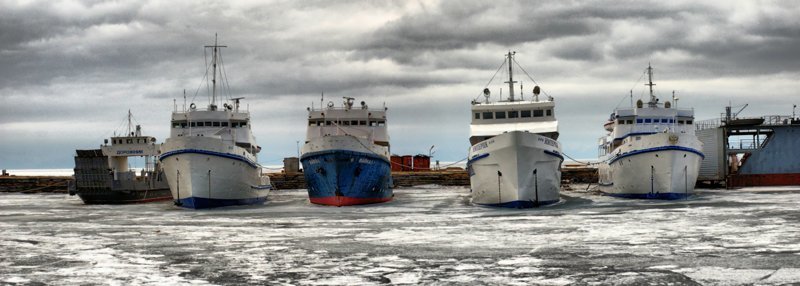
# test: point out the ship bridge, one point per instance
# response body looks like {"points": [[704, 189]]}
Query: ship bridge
{"points": [[228, 123], [360, 121]]}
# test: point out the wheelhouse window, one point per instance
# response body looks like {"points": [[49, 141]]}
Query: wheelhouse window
{"points": [[216, 124], [477, 115], [225, 124], [513, 114], [549, 112], [200, 124], [488, 115], [525, 113], [688, 122], [381, 123], [193, 124], [639, 120], [664, 120], [362, 122], [312, 123], [208, 124], [620, 121], [648, 120], [328, 123], [243, 124], [538, 113], [500, 114], [629, 121]]}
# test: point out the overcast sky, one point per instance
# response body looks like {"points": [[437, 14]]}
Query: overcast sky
{"points": [[70, 70]]}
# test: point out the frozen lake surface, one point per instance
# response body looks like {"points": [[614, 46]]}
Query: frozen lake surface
{"points": [[425, 236]]}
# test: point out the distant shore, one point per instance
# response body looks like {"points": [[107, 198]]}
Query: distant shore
{"points": [[282, 181]]}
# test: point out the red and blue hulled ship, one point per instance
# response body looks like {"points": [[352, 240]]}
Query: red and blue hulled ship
{"points": [[346, 155]]}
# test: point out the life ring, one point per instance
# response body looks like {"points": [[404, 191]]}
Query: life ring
{"points": [[192, 106], [330, 103]]}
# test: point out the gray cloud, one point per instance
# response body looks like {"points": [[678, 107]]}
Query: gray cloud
{"points": [[74, 68]]}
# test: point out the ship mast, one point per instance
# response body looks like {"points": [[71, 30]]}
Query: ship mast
{"points": [[652, 102], [213, 105], [510, 81]]}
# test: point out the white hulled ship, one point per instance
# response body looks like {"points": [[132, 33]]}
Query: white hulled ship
{"points": [[210, 157], [346, 155], [515, 158], [650, 152]]}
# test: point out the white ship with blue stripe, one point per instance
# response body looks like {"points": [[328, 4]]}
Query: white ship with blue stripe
{"points": [[515, 158], [210, 157], [650, 152]]}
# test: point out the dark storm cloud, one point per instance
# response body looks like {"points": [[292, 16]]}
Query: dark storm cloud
{"points": [[71, 65]]}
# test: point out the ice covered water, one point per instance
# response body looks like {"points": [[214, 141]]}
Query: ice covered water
{"points": [[426, 235]]}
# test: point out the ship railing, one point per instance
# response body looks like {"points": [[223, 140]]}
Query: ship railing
{"points": [[344, 108], [768, 120], [745, 144], [707, 124]]}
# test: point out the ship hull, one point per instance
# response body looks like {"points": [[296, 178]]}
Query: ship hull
{"points": [[113, 197], [342, 171], [515, 170], [653, 168], [202, 175]]}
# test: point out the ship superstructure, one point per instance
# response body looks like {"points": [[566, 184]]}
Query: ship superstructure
{"points": [[650, 150], [346, 155], [103, 176], [210, 157], [515, 158]]}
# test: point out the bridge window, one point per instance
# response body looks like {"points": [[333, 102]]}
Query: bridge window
{"points": [[312, 123], [525, 113], [243, 124], [500, 115], [175, 124], [664, 120], [208, 124], [381, 123], [354, 122], [680, 122], [362, 123], [225, 124], [629, 121], [671, 120], [477, 115], [620, 121], [639, 120], [538, 113], [549, 112], [688, 122], [648, 120], [513, 114], [216, 123], [320, 123], [200, 124], [488, 115]]}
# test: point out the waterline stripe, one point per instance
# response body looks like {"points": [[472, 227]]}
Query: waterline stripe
{"points": [[656, 149]]}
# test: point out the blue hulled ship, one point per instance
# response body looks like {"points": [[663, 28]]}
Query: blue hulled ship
{"points": [[346, 155]]}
